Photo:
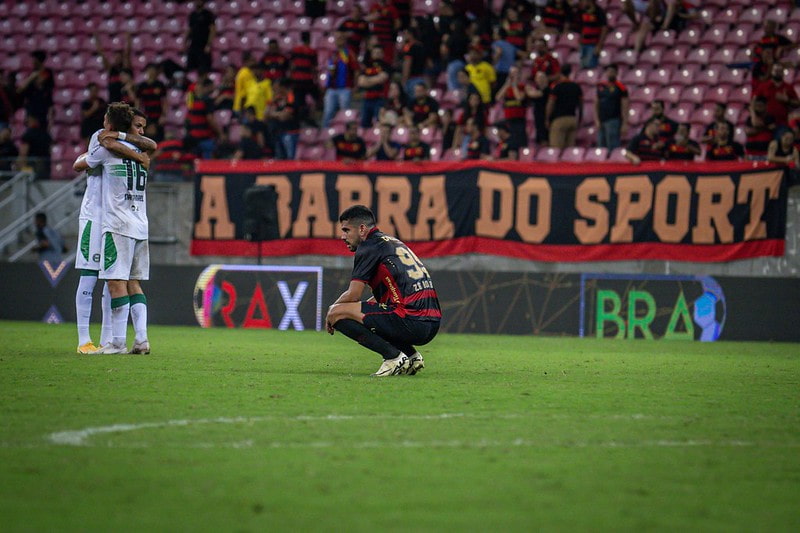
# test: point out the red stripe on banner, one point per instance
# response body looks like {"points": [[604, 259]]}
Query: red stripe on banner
{"points": [[710, 253]]}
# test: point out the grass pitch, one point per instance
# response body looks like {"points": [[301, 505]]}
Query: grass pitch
{"points": [[235, 430]]}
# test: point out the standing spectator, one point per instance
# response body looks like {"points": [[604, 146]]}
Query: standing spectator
{"points": [[349, 146], [448, 128], [201, 32], [413, 70], [374, 81], [247, 148], [772, 40], [403, 8], [275, 63], [93, 109], [504, 55], [245, 77], [127, 88], [50, 244], [202, 131], [507, 148], [760, 130], [478, 145], [415, 149], [385, 22], [171, 160], [8, 150], [514, 31], [782, 151], [423, 110], [283, 111], [556, 18], [342, 68], [315, 8], [472, 108], [260, 131], [513, 96], [385, 149], [113, 65], [594, 28], [259, 94], [539, 94], [223, 98], [611, 110], [722, 149], [152, 97], [647, 145], [564, 110], [481, 74], [667, 126], [780, 96], [453, 50], [35, 146], [303, 75], [356, 27], [711, 129], [683, 148], [544, 61], [8, 98], [36, 90]]}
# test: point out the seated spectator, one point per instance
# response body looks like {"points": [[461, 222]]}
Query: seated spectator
{"points": [[611, 110], [722, 149], [477, 144], [171, 161], [513, 96], [423, 110], [711, 129], [681, 147], [34, 149], [50, 244], [481, 73], [8, 150], [760, 130], [385, 149], [782, 151], [465, 86], [544, 61], [780, 96], [448, 128], [247, 148], [282, 111], [223, 98], [474, 108], [564, 110], [507, 148], [594, 28], [668, 126], [374, 81], [504, 55], [416, 149], [647, 145], [93, 109], [395, 102], [202, 131], [348, 145]]}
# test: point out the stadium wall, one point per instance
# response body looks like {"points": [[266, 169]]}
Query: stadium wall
{"points": [[682, 307]]}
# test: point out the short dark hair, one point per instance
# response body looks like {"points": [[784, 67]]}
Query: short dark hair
{"points": [[120, 115], [138, 112], [566, 70], [41, 216], [39, 55], [360, 214]]}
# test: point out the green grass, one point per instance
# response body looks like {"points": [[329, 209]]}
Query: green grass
{"points": [[285, 431]]}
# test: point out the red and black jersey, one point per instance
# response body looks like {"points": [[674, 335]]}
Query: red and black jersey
{"points": [[275, 65], [545, 63], [711, 130], [609, 99], [396, 276], [556, 17], [197, 125], [358, 29], [415, 53], [421, 109], [645, 147], [302, 65], [379, 90], [668, 128], [349, 149], [151, 97], [383, 26], [477, 147], [515, 108], [683, 152], [291, 123], [504, 150], [728, 152], [757, 142], [592, 24], [770, 41], [172, 156], [417, 152], [516, 33]]}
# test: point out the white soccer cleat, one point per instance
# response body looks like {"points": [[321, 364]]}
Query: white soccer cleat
{"points": [[141, 347], [393, 367], [415, 364], [112, 348]]}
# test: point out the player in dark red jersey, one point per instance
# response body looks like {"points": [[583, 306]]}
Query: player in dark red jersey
{"points": [[404, 308]]}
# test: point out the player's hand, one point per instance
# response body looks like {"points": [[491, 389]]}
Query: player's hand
{"points": [[107, 134], [144, 160], [329, 327]]}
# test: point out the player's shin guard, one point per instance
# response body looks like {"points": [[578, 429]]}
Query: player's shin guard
{"points": [[119, 319], [366, 338], [83, 304], [106, 332], [139, 316]]}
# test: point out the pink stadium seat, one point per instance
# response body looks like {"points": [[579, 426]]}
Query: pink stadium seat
{"points": [[548, 154], [666, 38], [526, 154], [617, 155], [371, 135], [754, 15], [644, 94], [636, 113], [686, 75], [596, 155], [729, 16], [588, 77], [682, 112], [659, 76], [698, 56], [309, 136], [569, 40], [695, 95], [696, 132], [675, 55], [651, 56], [573, 154], [719, 94], [436, 153], [733, 113], [323, 23], [617, 39], [723, 56], [778, 14], [311, 153], [735, 76], [625, 57], [739, 36], [690, 37], [634, 77], [668, 94], [451, 154], [709, 76], [706, 15], [715, 35]]}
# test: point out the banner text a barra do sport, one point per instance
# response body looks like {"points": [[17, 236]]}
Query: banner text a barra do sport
{"points": [[542, 212]]}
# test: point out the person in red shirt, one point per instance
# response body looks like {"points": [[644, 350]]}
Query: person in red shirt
{"points": [[780, 96], [342, 68], [348, 145], [682, 148], [357, 28], [513, 97], [515, 28], [544, 61], [374, 81], [723, 149], [303, 74], [385, 21], [647, 146], [594, 28], [760, 130], [275, 63]]}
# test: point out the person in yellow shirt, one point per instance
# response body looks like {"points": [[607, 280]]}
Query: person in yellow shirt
{"points": [[245, 77], [259, 92], [481, 74]]}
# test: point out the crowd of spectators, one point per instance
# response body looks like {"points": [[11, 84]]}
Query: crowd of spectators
{"points": [[471, 81]]}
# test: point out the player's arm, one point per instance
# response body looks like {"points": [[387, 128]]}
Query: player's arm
{"points": [[80, 163], [139, 141], [353, 293], [113, 145]]}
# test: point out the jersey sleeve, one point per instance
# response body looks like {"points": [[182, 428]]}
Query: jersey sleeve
{"points": [[97, 154], [365, 263]]}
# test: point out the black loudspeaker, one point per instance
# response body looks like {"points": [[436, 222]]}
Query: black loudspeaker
{"points": [[261, 213]]}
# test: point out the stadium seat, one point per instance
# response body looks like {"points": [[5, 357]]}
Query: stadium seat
{"points": [[682, 112], [573, 154], [548, 154], [659, 76], [732, 76], [669, 95], [723, 56], [728, 16], [596, 155], [675, 55], [733, 113], [709, 76], [715, 35], [739, 36], [617, 155], [635, 77], [526, 155], [778, 14], [665, 38], [451, 154], [697, 56], [636, 113], [625, 57], [695, 95], [706, 15], [690, 37], [651, 56], [719, 94], [644, 94], [686, 75], [754, 15]]}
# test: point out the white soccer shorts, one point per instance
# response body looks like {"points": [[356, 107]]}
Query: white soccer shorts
{"points": [[124, 258], [90, 245]]}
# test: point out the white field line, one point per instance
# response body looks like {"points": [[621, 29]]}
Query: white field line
{"points": [[82, 437]]}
